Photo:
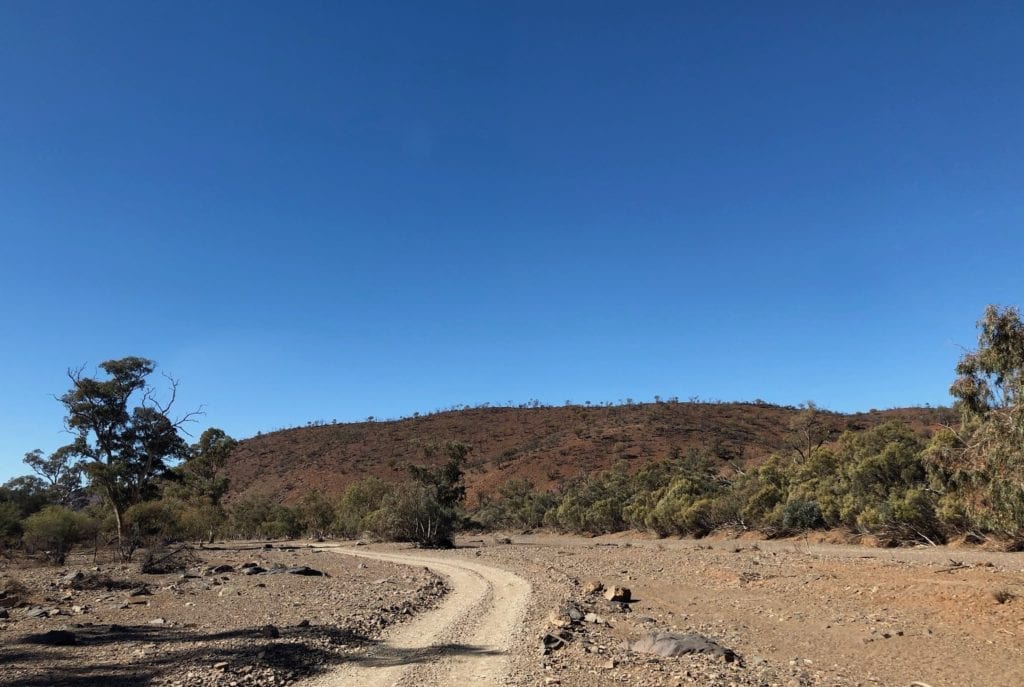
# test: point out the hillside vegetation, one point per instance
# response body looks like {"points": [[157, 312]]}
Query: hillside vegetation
{"points": [[548, 446], [902, 475]]}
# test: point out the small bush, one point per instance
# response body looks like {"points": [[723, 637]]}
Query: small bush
{"points": [[412, 512], [54, 531], [10, 522], [802, 515]]}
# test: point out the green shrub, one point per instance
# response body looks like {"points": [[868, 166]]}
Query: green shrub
{"points": [[802, 515], [150, 521], [358, 501], [248, 514], [10, 522], [282, 522], [411, 512], [54, 531]]}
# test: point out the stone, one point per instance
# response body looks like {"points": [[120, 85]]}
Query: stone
{"points": [[672, 644], [551, 643], [221, 569], [305, 570], [35, 612], [158, 621], [593, 587], [253, 570], [593, 618], [619, 594], [270, 632]]}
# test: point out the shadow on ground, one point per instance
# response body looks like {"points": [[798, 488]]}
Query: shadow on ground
{"points": [[109, 655]]}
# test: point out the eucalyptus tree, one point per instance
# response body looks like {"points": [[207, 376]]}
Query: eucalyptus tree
{"points": [[125, 440]]}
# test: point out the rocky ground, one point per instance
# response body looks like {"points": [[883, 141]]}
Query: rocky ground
{"points": [[794, 613], [244, 615], [778, 613]]}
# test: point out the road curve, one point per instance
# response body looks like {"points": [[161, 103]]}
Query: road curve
{"points": [[465, 641]]}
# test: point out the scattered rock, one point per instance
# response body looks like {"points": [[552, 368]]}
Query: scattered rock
{"points": [[270, 632], [672, 644], [619, 594], [593, 587], [551, 643]]}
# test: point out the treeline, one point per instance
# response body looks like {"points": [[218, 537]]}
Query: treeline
{"points": [[878, 481], [887, 481], [128, 479]]}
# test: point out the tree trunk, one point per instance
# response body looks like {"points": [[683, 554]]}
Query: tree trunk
{"points": [[120, 532]]}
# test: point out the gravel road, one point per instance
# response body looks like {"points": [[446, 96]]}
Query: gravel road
{"points": [[466, 641]]}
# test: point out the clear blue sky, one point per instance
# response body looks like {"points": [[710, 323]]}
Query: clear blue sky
{"points": [[334, 210]]}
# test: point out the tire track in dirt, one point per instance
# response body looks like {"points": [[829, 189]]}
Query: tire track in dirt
{"points": [[465, 641]]}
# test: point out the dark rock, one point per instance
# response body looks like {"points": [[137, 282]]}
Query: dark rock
{"points": [[573, 613], [4, 615], [254, 570], [672, 644], [36, 612], [219, 569], [142, 590], [592, 587], [270, 632], [551, 643], [303, 623], [304, 570]]}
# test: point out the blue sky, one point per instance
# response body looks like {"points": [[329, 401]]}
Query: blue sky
{"points": [[326, 210]]}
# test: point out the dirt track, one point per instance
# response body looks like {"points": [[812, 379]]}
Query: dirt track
{"points": [[799, 613], [465, 641]]}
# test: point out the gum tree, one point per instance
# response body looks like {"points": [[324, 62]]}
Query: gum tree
{"points": [[125, 439]]}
